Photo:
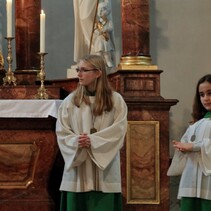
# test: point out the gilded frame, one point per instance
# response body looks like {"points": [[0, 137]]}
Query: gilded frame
{"points": [[142, 162]]}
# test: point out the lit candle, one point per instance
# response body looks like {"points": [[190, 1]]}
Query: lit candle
{"points": [[42, 32], [9, 18]]}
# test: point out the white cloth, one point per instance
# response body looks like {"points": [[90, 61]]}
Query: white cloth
{"points": [[97, 168], [196, 177], [29, 108], [84, 13]]}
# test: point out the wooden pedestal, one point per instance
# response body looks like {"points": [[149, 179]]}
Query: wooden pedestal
{"points": [[145, 156]]}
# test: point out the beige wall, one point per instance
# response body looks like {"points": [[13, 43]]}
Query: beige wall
{"points": [[181, 47]]}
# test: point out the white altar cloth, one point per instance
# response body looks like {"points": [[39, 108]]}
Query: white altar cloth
{"points": [[29, 108]]}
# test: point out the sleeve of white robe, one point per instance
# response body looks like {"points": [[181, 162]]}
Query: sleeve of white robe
{"points": [[184, 138], [206, 149], [67, 140], [106, 143]]}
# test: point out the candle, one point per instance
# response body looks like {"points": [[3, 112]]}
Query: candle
{"points": [[42, 32], [9, 18]]}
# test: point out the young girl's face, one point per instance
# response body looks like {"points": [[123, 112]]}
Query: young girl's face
{"points": [[87, 75], [205, 95]]}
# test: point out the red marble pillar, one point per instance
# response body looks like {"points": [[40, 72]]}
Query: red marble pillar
{"points": [[135, 29], [27, 34]]}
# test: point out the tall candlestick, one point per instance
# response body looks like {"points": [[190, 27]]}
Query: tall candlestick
{"points": [[9, 18], [9, 78], [42, 32], [42, 92]]}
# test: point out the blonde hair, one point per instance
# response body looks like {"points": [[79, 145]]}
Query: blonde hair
{"points": [[103, 96]]}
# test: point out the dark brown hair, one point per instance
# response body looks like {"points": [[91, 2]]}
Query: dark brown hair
{"points": [[198, 109]]}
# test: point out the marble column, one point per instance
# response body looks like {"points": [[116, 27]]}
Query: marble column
{"points": [[135, 32], [27, 31]]}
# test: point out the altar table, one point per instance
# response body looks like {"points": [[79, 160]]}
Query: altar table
{"points": [[28, 149]]}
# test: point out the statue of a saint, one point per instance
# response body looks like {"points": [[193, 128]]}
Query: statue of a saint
{"points": [[102, 42], [93, 29]]}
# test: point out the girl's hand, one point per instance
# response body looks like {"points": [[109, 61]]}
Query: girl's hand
{"points": [[84, 141], [183, 147]]}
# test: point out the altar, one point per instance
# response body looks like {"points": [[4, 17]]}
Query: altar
{"points": [[28, 149]]}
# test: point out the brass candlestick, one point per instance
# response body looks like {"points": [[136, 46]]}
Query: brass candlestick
{"points": [[9, 78], [41, 75]]}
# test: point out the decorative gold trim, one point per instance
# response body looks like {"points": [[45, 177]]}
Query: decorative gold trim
{"points": [[136, 63], [140, 162], [136, 60], [42, 91], [137, 67], [9, 79]]}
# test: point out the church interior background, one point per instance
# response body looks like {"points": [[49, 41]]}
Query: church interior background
{"points": [[179, 45]]}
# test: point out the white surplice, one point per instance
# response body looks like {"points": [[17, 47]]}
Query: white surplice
{"points": [[196, 177], [97, 168]]}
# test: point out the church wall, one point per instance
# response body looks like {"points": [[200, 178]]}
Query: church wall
{"points": [[181, 47]]}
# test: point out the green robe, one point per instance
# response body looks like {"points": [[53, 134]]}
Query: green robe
{"points": [[91, 201], [195, 184]]}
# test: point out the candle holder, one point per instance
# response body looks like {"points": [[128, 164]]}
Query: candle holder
{"points": [[9, 78], [41, 75]]}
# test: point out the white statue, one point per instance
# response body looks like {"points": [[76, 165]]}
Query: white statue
{"points": [[93, 29], [103, 33]]}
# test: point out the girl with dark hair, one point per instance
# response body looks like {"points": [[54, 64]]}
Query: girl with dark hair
{"points": [[195, 183]]}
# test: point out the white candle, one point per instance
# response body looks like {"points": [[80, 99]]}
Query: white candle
{"points": [[42, 32], [9, 18]]}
